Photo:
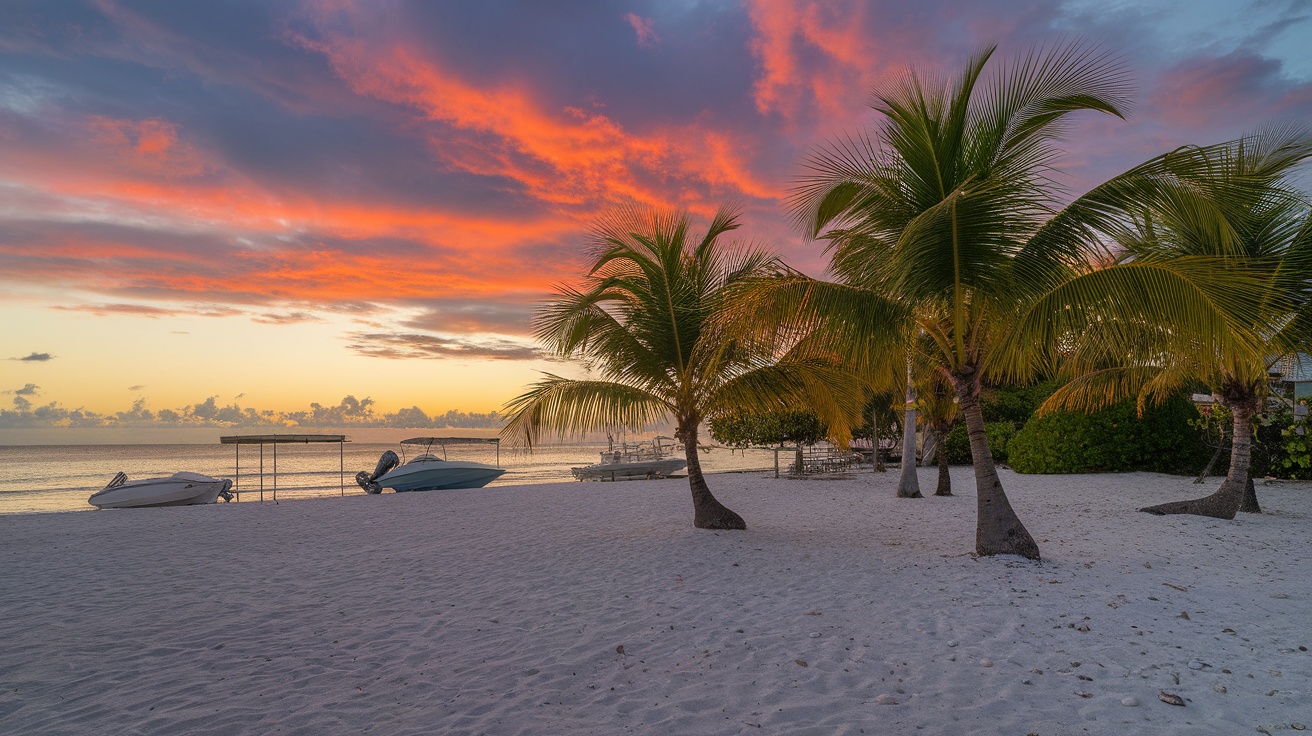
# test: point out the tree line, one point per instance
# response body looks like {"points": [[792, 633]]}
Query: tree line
{"points": [[955, 265]]}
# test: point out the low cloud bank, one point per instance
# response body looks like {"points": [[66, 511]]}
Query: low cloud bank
{"points": [[350, 412]]}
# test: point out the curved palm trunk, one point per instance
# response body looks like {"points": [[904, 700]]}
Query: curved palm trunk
{"points": [[944, 479], [998, 530], [708, 512], [1225, 503]]}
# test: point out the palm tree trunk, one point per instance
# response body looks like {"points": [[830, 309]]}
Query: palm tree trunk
{"points": [[1223, 504], [944, 479], [908, 484], [874, 441], [998, 531], [708, 512], [1249, 505]]}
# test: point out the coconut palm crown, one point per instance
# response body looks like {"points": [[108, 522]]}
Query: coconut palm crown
{"points": [[1233, 203], [646, 323], [945, 224]]}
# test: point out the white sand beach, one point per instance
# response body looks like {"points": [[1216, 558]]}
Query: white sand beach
{"points": [[598, 609]]}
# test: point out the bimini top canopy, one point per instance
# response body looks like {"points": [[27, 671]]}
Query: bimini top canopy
{"points": [[280, 439], [452, 441]]}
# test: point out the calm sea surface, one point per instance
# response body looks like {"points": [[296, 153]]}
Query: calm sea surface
{"points": [[40, 478]]}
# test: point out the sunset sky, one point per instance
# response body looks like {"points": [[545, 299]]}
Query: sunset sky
{"points": [[280, 203]]}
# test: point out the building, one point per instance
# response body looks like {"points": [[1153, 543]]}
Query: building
{"points": [[1294, 376]]}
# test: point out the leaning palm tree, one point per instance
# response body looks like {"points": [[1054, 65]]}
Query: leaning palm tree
{"points": [[1233, 203], [646, 321], [946, 220]]}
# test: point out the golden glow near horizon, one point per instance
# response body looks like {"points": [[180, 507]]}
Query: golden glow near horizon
{"points": [[176, 360]]}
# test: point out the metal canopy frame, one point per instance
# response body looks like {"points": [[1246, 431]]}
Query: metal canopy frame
{"points": [[283, 439]]}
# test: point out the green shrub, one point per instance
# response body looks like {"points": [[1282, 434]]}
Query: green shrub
{"points": [[1165, 440], [1000, 435], [754, 429], [1015, 404], [1297, 446], [1277, 446]]}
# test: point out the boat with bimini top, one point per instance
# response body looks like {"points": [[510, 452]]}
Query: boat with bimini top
{"points": [[639, 460], [428, 472]]}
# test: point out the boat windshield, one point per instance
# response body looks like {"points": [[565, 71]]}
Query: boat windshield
{"points": [[425, 458]]}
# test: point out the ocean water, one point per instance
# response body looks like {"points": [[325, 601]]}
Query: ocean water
{"points": [[43, 478]]}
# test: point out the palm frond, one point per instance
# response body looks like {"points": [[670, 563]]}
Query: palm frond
{"points": [[823, 387], [561, 406]]}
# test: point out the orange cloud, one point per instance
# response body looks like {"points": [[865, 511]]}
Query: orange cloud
{"points": [[850, 59], [564, 155], [148, 146], [265, 242]]}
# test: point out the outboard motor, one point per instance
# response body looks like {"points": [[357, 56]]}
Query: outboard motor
{"points": [[225, 492], [368, 482]]}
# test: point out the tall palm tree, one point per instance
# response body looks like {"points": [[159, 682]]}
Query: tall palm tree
{"points": [[646, 320], [946, 220], [1233, 203]]}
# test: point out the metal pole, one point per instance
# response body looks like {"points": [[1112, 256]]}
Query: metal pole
{"points": [[261, 472], [341, 464], [275, 471], [237, 445]]}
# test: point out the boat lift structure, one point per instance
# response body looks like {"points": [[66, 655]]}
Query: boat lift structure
{"points": [[282, 439]]}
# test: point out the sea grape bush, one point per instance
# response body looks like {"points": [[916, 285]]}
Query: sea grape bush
{"points": [[1296, 447], [743, 429], [1000, 435], [1167, 439], [1015, 404]]}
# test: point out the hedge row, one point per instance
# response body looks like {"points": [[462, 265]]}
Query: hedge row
{"points": [[1165, 440]]}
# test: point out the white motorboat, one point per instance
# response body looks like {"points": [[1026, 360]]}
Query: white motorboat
{"points": [[632, 462], [428, 472], [179, 489]]}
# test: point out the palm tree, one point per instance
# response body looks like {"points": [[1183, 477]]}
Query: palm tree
{"points": [[939, 410], [647, 322], [1233, 203], [946, 220]]}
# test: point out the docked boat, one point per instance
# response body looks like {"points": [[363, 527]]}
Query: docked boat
{"points": [[636, 461], [428, 472], [179, 489]]}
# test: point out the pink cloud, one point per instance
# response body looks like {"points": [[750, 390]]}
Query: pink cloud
{"points": [[645, 28]]}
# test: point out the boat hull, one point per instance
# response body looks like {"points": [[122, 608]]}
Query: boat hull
{"points": [[182, 489], [642, 469], [438, 476]]}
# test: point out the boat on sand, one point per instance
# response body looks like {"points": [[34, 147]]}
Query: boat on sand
{"points": [[428, 472], [179, 489]]}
